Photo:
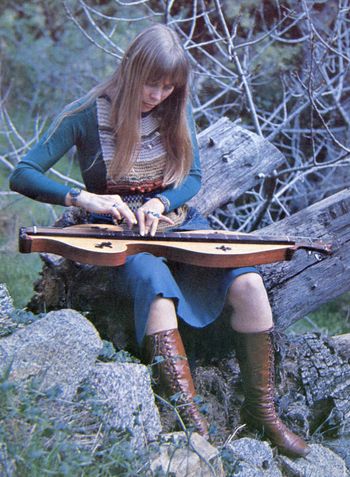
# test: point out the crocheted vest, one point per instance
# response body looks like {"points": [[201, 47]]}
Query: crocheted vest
{"points": [[145, 179]]}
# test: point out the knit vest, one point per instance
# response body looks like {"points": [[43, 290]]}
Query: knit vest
{"points": [[145, 178]]}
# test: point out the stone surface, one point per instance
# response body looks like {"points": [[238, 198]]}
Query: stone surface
{"points": [[341, 447], [124, 395], [6, 303], [251, 458], [59, 349], [342, 344], [180, 456], [321, 462]]}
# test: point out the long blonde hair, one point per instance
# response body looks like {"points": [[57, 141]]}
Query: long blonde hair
{"points": [[154, 55]]}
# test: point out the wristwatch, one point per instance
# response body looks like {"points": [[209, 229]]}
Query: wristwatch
{"points": [[74, 194], [164, 201]]}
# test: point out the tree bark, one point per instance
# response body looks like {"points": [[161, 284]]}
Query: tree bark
{"points": [[302, 285], [233, 160]]}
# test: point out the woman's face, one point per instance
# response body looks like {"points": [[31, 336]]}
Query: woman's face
{"points": [[154, 93]]}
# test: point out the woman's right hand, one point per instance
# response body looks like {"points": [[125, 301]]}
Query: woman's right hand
{"points": [[104, 204]]}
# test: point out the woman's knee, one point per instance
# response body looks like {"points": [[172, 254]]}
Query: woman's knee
{"points": [[146, 268], [246, 287], [146, 261]]}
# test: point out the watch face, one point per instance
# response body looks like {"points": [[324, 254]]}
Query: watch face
{"points": [[74, 192]]}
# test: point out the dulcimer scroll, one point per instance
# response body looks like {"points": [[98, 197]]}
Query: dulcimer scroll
{"points": [[109, 245]]}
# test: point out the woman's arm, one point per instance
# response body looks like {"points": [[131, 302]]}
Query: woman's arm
{"points": [[29, 176]]}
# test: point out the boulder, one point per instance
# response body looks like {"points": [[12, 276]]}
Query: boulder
{"points": [[192, 456], [341, 446], [251, 458], [321, 462], [59, 350], [6, 303], [123, 394]]}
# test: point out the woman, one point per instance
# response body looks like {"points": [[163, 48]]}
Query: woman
{"points": [[138, 155]]}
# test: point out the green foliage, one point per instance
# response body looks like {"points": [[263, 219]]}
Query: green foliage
{"points": [[241, 10], [61, 66], [109, 353], [16, 319], [23, 317], [332, 318], [19, 272], [231, 464], [40, 440]]}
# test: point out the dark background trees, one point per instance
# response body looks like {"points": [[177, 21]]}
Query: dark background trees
{"points": [[281, 68]]}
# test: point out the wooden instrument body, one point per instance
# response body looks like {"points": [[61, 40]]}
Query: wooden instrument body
{"points": [[105, 245]]}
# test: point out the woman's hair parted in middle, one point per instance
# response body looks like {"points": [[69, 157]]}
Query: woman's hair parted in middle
{"points": [[156, 54]]}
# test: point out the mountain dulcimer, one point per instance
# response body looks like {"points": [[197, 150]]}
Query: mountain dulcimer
{"points": [[109, 245]]}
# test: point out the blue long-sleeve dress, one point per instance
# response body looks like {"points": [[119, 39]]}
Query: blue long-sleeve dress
{"points": [[198, 292]]}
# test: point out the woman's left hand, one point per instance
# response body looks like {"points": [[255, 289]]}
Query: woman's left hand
{"points": [[149, 215]]}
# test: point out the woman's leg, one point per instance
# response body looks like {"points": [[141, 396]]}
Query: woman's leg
{"points": [[162, 316], [148, 279], [251, 311], [252, 322], [172, 372], [165, 351]]}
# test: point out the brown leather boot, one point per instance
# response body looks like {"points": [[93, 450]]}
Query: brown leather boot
{"points": [[255, 355], [173, 375]]}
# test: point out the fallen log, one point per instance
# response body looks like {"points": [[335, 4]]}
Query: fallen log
{"points": [[301, 286], [234, 160]]}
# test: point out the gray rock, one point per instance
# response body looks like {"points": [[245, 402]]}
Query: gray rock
{"points": [[341, 446], [59, 349], [6, 303], [321, 462], [124, 396], [181, 456], [252, 458]]}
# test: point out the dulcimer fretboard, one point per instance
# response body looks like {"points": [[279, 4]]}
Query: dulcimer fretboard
{"points": [[105, 233]]}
